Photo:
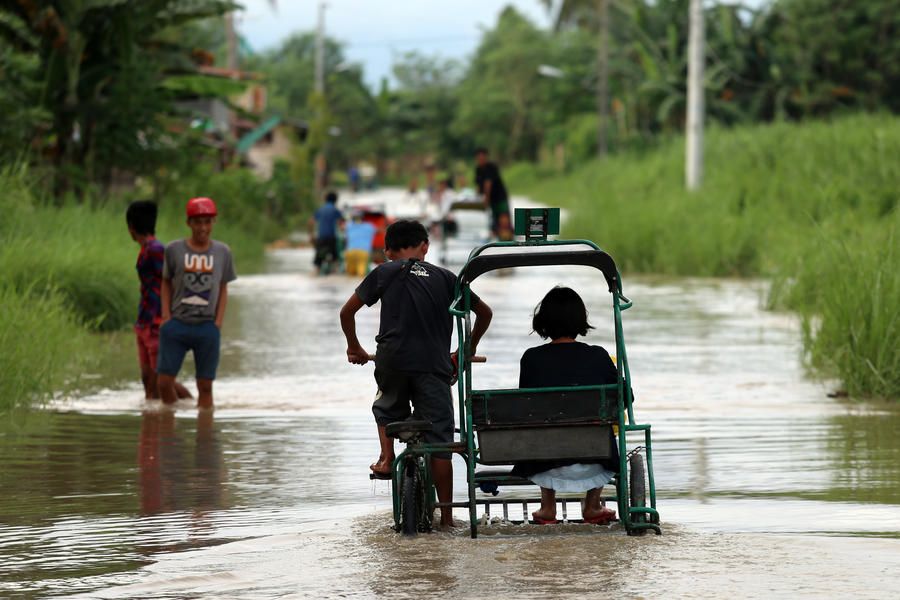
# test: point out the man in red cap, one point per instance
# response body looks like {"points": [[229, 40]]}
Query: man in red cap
{"points": [[196, 273]]}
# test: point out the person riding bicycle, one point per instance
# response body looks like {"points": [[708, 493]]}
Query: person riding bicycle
{"points": [[324, 223], [413, 360], [561, 316]]}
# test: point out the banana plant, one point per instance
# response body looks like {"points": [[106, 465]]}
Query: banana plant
{"points": [[103, 67]]}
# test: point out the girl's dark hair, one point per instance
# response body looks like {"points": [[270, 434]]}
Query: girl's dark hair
{"points": [[404, 234], [560, 314], [141, 216]]}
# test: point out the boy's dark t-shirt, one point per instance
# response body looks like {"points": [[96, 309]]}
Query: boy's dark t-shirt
{"points": [[416, 327], [149, 268], [489, 172]]}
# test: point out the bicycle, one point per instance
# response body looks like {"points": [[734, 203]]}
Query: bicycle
{"points": [[414, 497]]}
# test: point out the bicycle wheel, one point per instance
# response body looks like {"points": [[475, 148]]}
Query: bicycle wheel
{"points": [[410, 506], [425, 506], [637, 489]]}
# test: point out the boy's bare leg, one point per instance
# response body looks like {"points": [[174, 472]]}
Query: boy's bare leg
{"points": [[442, 471], [182, 392], [166, 385], [152, 389], [386, 459], [547, 512], [204, 393], [148, 378]]}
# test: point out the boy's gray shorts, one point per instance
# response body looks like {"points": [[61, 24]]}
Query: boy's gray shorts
{"points": [[430, 397]]}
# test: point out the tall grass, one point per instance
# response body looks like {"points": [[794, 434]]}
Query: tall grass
{"points": [[41, 347], [848, 292], [781, 200]]}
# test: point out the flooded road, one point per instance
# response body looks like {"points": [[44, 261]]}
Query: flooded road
{"points": [[766, 486]]}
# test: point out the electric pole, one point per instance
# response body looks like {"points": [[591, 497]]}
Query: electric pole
{"points": [[231, 61], [230, 41], [602, 76], [320, 51], [693, 168], [320, 167]]}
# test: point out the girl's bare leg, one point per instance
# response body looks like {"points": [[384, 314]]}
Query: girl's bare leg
{"points": [[547, 511]]}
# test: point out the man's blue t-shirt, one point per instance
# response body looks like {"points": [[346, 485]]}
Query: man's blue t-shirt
{"points": [[327, 217], [360, 235]]}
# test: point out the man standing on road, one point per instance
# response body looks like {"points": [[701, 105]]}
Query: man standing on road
{"points": [[493, 192]]}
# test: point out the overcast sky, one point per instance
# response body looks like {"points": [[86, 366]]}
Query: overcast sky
{"points": [[375, 31]]}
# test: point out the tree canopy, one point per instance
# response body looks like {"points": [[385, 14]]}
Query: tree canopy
{"points": [[92, 87]]}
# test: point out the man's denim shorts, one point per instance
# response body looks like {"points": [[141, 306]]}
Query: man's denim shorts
{"points": [[177, 337]]}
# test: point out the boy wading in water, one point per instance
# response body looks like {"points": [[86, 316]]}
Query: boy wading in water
{"points": [[196, 274], [412, 363], [141, 220]]}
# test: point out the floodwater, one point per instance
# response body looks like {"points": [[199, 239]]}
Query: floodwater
{"points": [[766, 485]]}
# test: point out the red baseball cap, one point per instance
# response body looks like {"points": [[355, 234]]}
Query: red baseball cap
{"points": [[201, 207]]}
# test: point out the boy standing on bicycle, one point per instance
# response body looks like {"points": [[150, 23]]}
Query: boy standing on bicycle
{"points": [[412, 363]]}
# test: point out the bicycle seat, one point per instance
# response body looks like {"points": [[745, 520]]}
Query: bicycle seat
{"points": [[404, 430]]}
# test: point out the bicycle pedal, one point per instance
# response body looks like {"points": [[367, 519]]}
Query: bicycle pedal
{"points": [[380, 476]]}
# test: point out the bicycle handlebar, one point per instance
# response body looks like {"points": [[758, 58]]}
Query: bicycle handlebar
{"points": [[472, 359]]}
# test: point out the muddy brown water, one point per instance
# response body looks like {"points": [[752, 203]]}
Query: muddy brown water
{"points": [[766, 486]]}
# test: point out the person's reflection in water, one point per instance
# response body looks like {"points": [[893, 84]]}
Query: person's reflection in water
{"points": [[207, 482], [169, 481], [149, 468]]}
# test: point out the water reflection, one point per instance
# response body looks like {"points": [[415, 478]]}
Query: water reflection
{"points": [[864, 455], [174, 477]]}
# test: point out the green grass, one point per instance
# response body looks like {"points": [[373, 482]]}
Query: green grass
{"points": [[847, 289], [813, 205], [42, 345]]}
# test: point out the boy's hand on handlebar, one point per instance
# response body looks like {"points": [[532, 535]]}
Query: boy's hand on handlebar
{"points": [[357, 355]]}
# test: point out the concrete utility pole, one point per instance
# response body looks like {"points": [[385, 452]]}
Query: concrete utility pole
{"points": [[320, 51], [231, 41], [231, 60], [320, 166], [693, 168], [602, 77]]}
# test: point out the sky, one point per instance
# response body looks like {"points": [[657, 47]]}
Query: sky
{"points": [[375, 31]]}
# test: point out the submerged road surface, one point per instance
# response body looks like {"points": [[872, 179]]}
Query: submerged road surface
{"points": [[766, 486]]}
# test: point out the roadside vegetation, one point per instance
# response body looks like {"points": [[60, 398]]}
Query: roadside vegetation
{"points": [[813, 206]]}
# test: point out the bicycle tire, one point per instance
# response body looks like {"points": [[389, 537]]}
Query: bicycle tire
{"points": [[425, 513], [637, 490], [409, 499]]}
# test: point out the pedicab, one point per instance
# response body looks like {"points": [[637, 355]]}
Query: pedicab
{"points": [[498, 427]]}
